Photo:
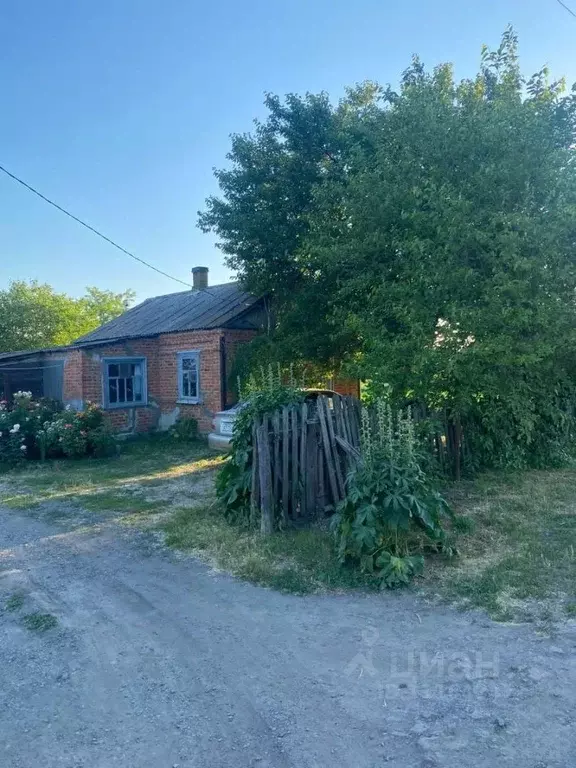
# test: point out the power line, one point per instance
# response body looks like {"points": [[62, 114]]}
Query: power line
{"points": [[95, 231], [568, 9]]}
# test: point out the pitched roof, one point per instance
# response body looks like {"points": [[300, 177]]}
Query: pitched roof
{"points": [[24, 353], [193, 310]]}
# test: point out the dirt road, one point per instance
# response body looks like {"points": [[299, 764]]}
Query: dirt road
{"points": [[157, 662]]}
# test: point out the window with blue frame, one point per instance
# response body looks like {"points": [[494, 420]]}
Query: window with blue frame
{"points": [[189, 377], [124, 382]]}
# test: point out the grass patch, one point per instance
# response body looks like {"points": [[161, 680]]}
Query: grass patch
{"points": [[516, 536], [518, 556], [105, 484], [301, 561], [39, 622], [15, 602]]}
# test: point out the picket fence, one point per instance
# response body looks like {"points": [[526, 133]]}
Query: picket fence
{"points": [[302, 454]]}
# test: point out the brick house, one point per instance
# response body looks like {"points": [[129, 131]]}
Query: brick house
{"points": [[167, 358], [164, 359]]}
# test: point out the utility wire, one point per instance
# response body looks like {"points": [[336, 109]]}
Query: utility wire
{"points": [[568, 9], [96, 232]]}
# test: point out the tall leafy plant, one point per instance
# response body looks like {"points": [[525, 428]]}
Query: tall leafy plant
{"points": [[392, 512], [262, 394]]}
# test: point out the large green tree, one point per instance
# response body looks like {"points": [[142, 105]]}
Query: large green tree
{"points": [[33, 315], [438, 244], [264, 213]]}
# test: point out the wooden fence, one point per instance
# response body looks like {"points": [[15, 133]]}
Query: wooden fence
{"points": [[302, 454]]}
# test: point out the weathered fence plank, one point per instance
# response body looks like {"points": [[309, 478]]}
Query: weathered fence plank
{"points": [[265, 472], [301, 455], [332, 448], [285, 464], [328, 452], [303, 448], [276, 465], [255, 488], [350, 451], [311, 469], [294, 483]]}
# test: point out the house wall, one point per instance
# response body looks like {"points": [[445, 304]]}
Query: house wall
{"points": [[82, 377], [83, 380], [208, 343], [346, 386]]}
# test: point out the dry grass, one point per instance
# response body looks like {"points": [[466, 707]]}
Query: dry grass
{"points": [[518, 561]]}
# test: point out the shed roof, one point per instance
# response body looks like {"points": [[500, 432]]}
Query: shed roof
{"points": [[193, 310]]}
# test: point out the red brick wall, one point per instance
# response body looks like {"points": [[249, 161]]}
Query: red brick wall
{"points": [[347, 387], [83, 380], [83, 377], [208, 344], [72, 381], [140, 418]]}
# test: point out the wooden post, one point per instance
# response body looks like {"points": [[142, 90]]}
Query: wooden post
{"points": [[303, 449], [276, 467], [265, 475], [322, 501], [327, 452], [332, 447], [285, 464], [311, 468], [294, 424], [255, 489]]}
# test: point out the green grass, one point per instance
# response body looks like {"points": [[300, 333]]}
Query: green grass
{"points": [[517, 536], [518, 560], [301, 561], [105, 484], [39, 622], [15, 602]]}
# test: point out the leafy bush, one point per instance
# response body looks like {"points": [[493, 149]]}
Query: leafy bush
{"points": [[262, 395], [40, 429], [185, 430], [391, 513]]}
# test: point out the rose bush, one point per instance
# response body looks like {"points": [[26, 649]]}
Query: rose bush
{"points": [[40, 429]]}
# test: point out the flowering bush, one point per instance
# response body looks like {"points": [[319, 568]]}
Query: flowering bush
{"points": [[40, 429]]}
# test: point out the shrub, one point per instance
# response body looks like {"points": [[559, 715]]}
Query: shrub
{"points": [[12, 446], [262, 395], [391, 513], [185, 430], [41, 429]]}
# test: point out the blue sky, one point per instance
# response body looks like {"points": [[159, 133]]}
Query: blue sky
{"points": [[119, 109]]}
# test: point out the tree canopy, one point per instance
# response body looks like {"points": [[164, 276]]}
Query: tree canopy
{"points": [[33, 315], [426, 237]]}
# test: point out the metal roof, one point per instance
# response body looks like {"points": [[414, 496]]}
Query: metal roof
{"points": [[193, 310], [7, 356]]}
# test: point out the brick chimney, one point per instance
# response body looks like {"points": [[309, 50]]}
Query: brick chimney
{"points": [[200, 277]]}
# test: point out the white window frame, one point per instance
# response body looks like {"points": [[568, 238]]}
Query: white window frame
{"points": [[188, 354], [106, 361]]}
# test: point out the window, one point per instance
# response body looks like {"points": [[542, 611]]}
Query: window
{"points": [[124, 382], [189, 377]]}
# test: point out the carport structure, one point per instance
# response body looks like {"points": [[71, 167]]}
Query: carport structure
{"points": [[35, 371]]}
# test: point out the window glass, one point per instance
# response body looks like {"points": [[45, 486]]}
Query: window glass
{"points": [[124, 382], [188, 376]]}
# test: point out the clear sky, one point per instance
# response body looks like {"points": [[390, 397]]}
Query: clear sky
{"points": [[119, 109]]}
